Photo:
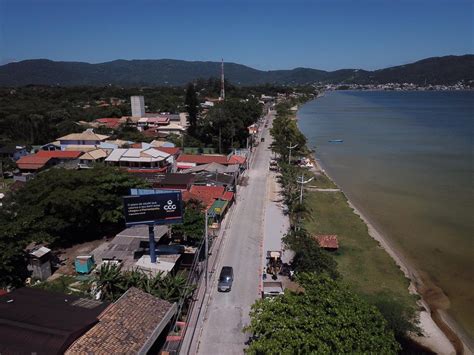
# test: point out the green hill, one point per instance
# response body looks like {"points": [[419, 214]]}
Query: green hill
{"points": [[437, 70]]}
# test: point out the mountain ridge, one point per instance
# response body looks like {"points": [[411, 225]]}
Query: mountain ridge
{"points": [[142, 72]]}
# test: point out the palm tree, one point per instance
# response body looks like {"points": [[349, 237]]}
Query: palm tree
{"points": [[109, 281]]}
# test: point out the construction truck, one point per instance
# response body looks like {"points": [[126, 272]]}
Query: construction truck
{"points": [[274, 262]]}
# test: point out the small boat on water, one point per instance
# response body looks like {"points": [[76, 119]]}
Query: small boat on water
{"points": [[335, 141]]}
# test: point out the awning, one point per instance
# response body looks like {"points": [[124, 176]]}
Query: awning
{"points": [[219, 207], [185, 165]]}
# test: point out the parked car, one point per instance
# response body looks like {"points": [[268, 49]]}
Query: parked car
{"points": [[262, 139], [226, 278]]}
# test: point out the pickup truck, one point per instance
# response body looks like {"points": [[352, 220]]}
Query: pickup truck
{"points": [[272, 289]]}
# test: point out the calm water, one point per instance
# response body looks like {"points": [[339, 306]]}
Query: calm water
{"points": [[407, 163]]}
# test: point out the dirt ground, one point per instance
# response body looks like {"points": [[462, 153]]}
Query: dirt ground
{"points": [[68, 255]]}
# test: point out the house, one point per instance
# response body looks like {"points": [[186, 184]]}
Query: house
{"points": [[215, 179], [187, 161], [112, 123], [60, 156], [114, 144], [44, 159], [13, 152], [87, 159], [328, 242], [51, 146], [33, 163], [173, 181], [87, 140], [134, 324], [208, 194], [253, 129], [153, 122], [139, 159], [35, 321]]}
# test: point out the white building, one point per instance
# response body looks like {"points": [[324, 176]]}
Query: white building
{"points": [[138, 106]]}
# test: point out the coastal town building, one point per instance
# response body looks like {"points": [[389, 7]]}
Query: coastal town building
{"points": [[87, 159], [138, 159], [131, 325], [46, 158], [327, 242], [187, 161], [34, 321], [87, 140]]}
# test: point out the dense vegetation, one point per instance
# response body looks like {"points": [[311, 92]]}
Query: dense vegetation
{"points": [[436, 70], [112, 282], [61, 207], [325, 318], [38, 114]]}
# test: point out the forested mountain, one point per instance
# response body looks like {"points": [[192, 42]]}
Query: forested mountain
{"points": [[436, 70]]}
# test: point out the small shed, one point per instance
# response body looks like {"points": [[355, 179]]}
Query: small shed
{"points": [[84, 264], [327, 242], [40, 263]]}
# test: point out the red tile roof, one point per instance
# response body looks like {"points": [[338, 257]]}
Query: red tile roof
{"points": [[60, 154], [128, 326], [236, 159], [209, 158], [327, 241], [227, 196], [32, 162], [169, 150], [206, 194], [110, 122]]}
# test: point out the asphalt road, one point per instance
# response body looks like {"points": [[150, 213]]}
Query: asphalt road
{"points": [[227, 313]]}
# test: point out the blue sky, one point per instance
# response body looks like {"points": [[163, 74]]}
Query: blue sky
{"points": [[264, 34]]}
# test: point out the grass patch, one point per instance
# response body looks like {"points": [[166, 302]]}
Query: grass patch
{"points": [[322, 182], [62, 284], [363, 264]]}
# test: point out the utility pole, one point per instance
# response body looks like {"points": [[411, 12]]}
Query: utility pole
{"points": [[302, 182], [206, 247], [289, 155], [220, 149]]}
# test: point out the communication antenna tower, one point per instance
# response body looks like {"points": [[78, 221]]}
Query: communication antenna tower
{"points": [[222, 80]]}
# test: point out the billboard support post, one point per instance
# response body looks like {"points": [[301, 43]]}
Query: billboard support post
{"points": [[151, 237]]}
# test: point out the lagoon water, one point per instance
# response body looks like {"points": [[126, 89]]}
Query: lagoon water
{"points": [[407, 163]]}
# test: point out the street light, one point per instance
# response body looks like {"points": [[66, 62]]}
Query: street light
{"points": [[302, 182], [289, 155]]}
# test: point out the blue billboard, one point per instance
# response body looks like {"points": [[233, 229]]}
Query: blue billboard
{"points": [[165, 207]]}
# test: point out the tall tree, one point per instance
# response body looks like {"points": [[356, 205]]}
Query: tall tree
{"points": [[191, 103], [324, 319], [192, 228]]}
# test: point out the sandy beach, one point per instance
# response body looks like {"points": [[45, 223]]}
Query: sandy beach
{"points": [[440, 334]]}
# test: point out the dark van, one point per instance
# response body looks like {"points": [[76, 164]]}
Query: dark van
{"points": [[226, 278]]}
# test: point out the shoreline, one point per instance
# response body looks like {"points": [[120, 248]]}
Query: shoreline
{"points": [[441, 334]]}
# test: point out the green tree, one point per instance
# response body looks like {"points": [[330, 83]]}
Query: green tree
{"points": [[112, 282], [191, 103], [109, 281], [192, 228], [68, 206], [308, 255], [324, 319]]}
